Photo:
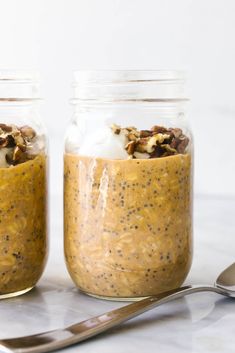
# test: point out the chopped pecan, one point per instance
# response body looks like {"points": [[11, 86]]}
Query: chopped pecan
{"points": [[158, 152], [131, 128], [152, 142], [130, 147], [132, 137], [147, 144], [10, 141], [176, 132], [174, 143], [7, 141], [182, 145], [5, 128], [20, 142], [141, 145], [145, 133], [116, 129], [161, 137], [159, 129], [3, 142], [17, 154], [28, 132]]}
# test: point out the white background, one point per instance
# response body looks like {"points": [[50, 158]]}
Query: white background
{"points": [[56, 37]]}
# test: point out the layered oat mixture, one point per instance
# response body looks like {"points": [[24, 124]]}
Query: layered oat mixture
{"points": [[23, 248], [128, 230]]}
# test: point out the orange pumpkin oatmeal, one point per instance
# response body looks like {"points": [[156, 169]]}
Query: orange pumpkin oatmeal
{"points": [[23, 223], [127, 225]]}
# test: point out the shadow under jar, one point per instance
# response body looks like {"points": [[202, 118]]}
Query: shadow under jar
{"points": [[23, 185], [128, 184]]}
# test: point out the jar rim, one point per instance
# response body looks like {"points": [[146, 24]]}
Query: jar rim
{"points": [[20, 76], [116, 76], [19, 86], [129, 85]]}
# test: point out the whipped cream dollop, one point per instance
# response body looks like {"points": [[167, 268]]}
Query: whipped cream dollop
{"points": [[103, 143]]}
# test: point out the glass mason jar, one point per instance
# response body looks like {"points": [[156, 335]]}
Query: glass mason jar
{"points": [[23, 185], [128, 184]]}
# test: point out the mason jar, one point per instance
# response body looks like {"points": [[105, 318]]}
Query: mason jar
{"points": [[128, 184], [23, 185]]}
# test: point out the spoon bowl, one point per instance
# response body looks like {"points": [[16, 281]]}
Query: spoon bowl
{"points": [[226, 281]]}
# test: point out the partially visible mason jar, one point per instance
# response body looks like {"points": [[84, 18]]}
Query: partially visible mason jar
{"points": [[128, 184], [23, 185]]}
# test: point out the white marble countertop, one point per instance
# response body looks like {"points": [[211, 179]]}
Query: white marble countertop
{"points": [[199, 323]]}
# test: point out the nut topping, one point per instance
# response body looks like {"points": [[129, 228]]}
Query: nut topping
{"points": [[145, 133], [154, 143], [3, 142], [5, 128], [17, 153], [182, 145], [176, 132], [130, 147], [27, 132], [158, 129], [16, 142], [116, 129]]}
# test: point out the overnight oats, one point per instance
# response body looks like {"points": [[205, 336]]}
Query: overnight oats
{"points": [[23, 209], [128, 210]]}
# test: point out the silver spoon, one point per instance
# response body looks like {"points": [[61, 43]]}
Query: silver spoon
{"points": [[56, 339]]}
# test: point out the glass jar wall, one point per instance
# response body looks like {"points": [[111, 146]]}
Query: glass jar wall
{"points": [[23, 184], [128, 184]]}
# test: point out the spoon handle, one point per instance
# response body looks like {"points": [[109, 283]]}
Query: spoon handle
{"points": [[60, 338]]}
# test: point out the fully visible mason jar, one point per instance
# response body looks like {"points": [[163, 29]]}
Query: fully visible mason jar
{"points": [[23, 185], [128, 184]]}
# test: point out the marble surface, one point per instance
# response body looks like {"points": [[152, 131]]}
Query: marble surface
{"points": [[199, 323]]}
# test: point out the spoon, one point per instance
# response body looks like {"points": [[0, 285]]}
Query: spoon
{"points": [[60, 338]]}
